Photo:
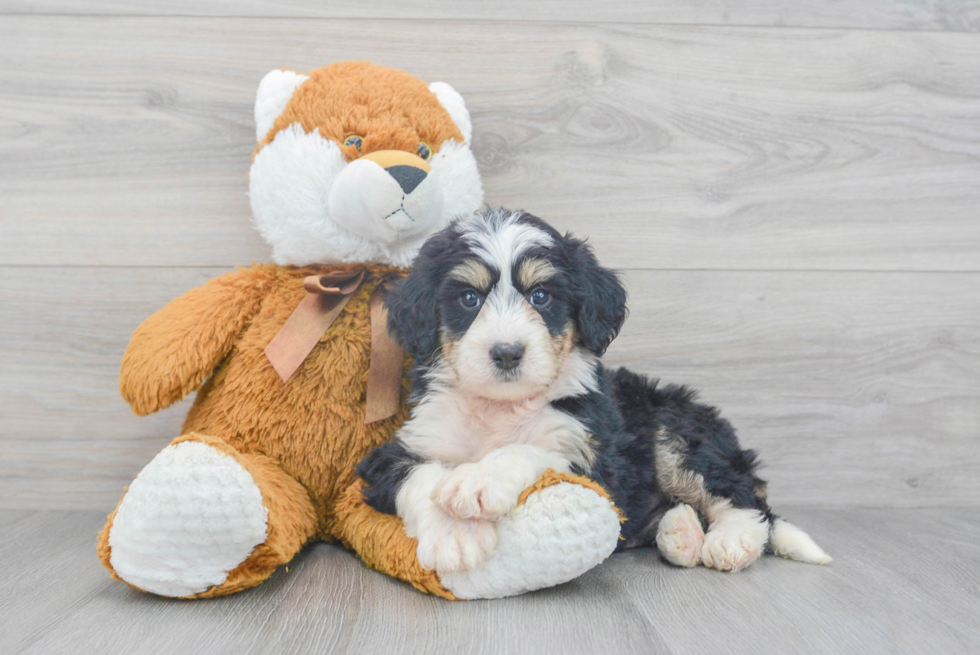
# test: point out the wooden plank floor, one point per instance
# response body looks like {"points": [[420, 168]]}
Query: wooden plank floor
{"points": [[903, 581]]}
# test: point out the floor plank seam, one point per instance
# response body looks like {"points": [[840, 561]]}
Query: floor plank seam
{"points": [[638, 269], [502, 21]]}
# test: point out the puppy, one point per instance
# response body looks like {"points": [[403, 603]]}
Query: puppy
{"points": [[506, 319]]}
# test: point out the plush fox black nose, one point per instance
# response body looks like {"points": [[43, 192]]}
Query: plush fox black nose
{"points": [[404, 167], [408, 177], [507, 355]]}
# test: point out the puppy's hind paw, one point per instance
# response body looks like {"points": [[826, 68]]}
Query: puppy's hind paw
{"points": [[735, 540]]}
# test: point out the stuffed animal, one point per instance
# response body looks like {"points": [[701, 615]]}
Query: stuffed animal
{"points": [[355, 166]]}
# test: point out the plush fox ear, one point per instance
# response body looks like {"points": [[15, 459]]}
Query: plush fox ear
{"points": [[275, 91], [450, 99]]}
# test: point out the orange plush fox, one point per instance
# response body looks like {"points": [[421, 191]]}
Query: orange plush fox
{"points": [[355, 166]]}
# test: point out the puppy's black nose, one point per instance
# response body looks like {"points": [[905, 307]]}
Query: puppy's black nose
{"points": [[507, 355], [408, 177]]}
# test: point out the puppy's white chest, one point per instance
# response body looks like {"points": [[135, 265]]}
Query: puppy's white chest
{"points": [[455, 429]]}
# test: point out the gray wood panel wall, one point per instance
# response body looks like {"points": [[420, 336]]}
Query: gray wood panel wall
{"points": [[792, 190]]}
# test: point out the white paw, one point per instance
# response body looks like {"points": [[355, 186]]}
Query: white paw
{"points": [[469, 492], [680, 536], [452, 546], [735, 540], [192, 515]]}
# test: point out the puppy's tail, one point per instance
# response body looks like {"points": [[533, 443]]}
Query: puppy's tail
{"points": [[787, 540]]}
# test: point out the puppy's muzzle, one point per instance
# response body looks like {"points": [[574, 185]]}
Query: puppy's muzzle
{"points": [[507, 356], [407, 169]]}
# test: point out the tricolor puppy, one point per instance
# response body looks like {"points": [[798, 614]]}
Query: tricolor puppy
{"points": [[506, 319]]}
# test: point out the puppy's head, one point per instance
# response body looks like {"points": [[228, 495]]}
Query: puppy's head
{"points": [[506, 306]]}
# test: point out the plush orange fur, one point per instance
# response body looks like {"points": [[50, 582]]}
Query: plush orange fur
{"points": [[381, 543], [355, 98], [300, 440], [552, 477]]}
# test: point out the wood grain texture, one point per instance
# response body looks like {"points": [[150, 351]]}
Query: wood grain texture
{"points": [[858, 389], [902, 581], [948, 15], [126, 141]]}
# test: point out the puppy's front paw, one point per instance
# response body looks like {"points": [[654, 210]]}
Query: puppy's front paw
{"points": [[470, 493], [451, 546]]}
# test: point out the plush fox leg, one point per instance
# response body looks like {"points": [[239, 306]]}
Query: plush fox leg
{"points": [[203, 519], [380, 541], [563, 526]]}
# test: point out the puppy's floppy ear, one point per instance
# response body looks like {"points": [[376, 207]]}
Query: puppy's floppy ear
{"points": [[600, 295], [413, 304]]}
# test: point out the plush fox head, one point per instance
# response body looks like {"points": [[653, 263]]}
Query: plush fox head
{"points": [[358, 163]]}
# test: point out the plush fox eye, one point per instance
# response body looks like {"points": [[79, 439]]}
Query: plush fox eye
{"points": [[470, 299], [424, 151], [540, 297], [354, 140]]}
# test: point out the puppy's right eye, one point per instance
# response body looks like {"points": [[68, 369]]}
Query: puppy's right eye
{"points": [[354, 140], [470, 299]]}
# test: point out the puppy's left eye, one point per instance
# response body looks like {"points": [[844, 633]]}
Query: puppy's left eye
{"points": [[424, 151], [470, 299], [539, 297]]}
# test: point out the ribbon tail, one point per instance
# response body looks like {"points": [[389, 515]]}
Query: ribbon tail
{"points": [[384, 388], [299, 335]]}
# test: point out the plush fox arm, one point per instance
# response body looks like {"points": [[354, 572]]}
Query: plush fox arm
{"points": [[177, 348]]}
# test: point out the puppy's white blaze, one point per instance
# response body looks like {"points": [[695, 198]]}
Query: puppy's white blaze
{"points": [[504, 306], [506, 318], [790, 542], [501, 240]]}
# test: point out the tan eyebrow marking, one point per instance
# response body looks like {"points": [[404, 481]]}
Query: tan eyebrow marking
{"points": [[535, 271], [474, 273]]}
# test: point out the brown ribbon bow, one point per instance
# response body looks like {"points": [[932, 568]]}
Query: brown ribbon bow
{"points": [[326, 297]]}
